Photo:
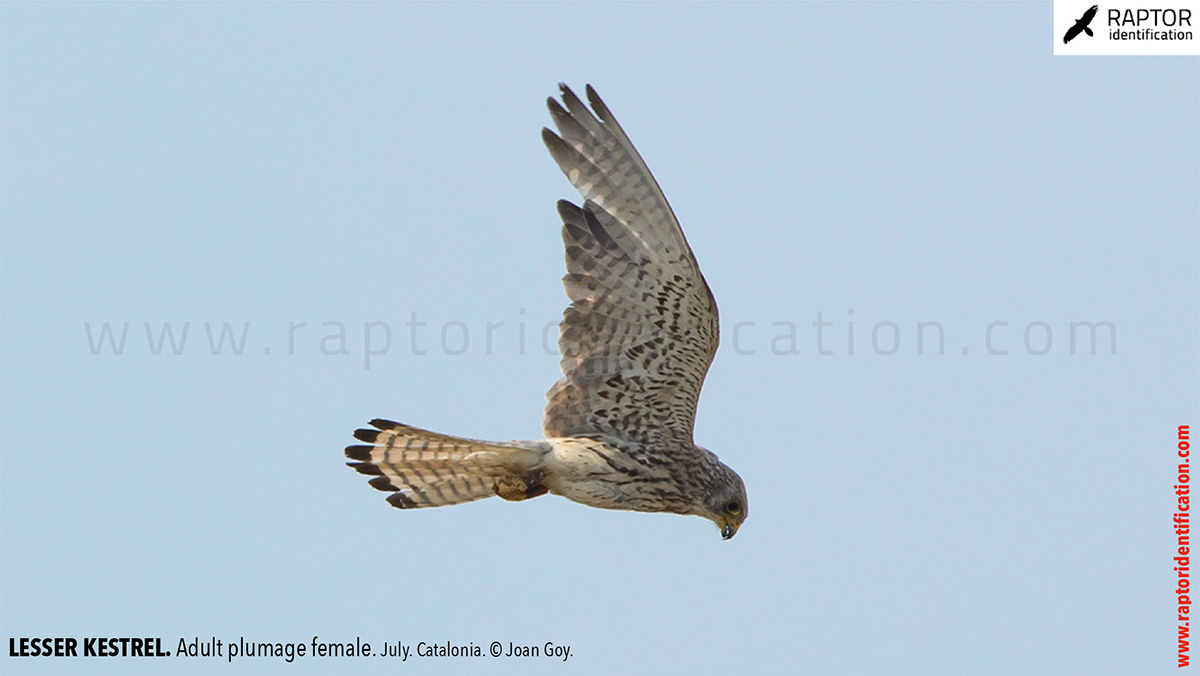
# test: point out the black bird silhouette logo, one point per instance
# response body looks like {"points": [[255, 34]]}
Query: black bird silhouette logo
{"points": [[1081, 26]]}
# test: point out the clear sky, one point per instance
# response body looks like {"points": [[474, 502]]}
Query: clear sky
{"points": [[334, 180]]}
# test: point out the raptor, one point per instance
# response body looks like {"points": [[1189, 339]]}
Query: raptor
{"points": [[1081, 26], [636, 342]]}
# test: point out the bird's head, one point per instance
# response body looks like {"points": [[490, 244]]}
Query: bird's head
{"points": [[725, 498]]}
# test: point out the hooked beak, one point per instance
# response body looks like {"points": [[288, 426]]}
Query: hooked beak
{"points": [[728, 531]]}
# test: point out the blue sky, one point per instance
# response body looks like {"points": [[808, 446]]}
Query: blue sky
{"points": [[313, 172]]}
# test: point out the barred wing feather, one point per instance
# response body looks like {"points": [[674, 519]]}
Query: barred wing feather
{"points": [[642, 327]]}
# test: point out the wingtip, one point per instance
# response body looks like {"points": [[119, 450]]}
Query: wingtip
{"points": [[569, 212], [556, 110], [598, 104], [565, 92]]}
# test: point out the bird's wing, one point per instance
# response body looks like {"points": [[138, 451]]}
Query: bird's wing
{"points": [[642, 328], [1090, 14], [1072, 32]]}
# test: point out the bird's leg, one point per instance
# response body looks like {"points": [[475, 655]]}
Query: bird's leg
{"points": [[520, 487]]}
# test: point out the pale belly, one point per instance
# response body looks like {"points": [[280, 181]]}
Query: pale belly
{"points": [[598, 475]]}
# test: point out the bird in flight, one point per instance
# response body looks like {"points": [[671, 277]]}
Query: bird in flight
{"points": [[1081, 26], [636, 342]]}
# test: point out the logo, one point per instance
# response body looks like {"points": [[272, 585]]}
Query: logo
{"points": [[1125, 28], [1081, 26]]}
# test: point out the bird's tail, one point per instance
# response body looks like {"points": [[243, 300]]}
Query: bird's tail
{"points": [[425, 469]]}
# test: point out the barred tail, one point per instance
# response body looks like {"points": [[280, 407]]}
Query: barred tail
{"points": [[425, 469]]}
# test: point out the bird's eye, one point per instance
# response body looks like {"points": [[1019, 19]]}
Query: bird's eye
{"points": [[733, 507]]}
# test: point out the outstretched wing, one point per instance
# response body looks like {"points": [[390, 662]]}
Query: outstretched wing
{"points": [[641, 330]]}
